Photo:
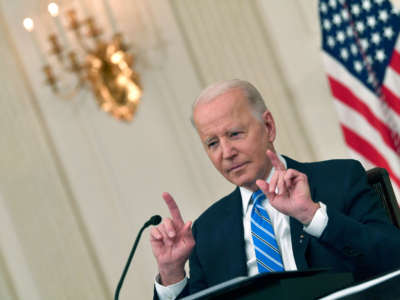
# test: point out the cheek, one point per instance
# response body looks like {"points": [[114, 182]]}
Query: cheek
{"points": [[259, 154], [214, 157]]}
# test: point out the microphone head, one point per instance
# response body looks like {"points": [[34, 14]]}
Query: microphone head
{"points": [[155, 220]]}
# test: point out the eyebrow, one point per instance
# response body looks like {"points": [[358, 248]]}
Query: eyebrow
{"points": [[233, 129], [208, 140]]}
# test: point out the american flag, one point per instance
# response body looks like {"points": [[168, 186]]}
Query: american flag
{"points": [[361, 53]]}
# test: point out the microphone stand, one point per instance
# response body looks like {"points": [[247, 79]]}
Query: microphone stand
{"points": [[154, 220]]}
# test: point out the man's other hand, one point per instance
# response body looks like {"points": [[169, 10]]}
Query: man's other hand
{"points": [[172, 242], [289, 192]]}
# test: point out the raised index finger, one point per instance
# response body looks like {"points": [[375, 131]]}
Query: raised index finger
{"points": [[173, 208], [275, 161]]}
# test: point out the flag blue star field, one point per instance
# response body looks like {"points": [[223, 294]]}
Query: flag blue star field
{"points": [[361, 53]]}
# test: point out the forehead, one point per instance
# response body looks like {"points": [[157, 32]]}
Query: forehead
{"points": [[227, 110]]}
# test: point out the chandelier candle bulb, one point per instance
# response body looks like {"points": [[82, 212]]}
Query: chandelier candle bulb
{"points": [[54, 12], [29, 26]]}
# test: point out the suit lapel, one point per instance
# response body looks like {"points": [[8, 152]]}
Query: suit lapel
{"points": [[300, 242], [233, 234], [300, 239]]}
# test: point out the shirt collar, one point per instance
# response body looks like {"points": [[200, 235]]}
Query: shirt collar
{"points": [[246, 194]]}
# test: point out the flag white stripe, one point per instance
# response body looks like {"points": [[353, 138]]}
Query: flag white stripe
{"points": [[397, 45], [369, 165], [340, 74], [364, 160], [392, 81], [357, 123]]}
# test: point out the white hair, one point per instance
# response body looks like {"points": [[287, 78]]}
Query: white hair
{"points": [[252, 95]]}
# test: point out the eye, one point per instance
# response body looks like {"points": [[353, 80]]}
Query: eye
{"points": [[235, 134], [211, 144]]}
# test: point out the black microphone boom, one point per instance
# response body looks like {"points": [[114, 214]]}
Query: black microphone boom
{"points": [[154, 220]]}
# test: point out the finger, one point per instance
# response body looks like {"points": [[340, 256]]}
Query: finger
{"points": [[173, 208], [281, 185], [275, 161], [155, 234], [264, 187], [289, 177], [169, 227], [187, 229], [293, 175], [187, 234], [273, 182], [166, 239]]}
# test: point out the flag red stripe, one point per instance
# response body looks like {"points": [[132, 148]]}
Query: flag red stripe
{"points": [[367, 150], [395, 61], [346, 96], [391, 99]]}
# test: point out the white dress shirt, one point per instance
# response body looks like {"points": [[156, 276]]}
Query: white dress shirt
{"points": [[282, 234]]}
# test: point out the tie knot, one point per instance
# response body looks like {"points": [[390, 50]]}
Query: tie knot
{"points": [[258, 196]]}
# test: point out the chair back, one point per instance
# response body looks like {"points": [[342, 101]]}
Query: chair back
{"points": [[379, 179]]}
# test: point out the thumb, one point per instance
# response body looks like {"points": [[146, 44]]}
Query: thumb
{"points": [[187, 229]]}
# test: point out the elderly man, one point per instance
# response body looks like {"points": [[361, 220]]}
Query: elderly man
{"points": [[283, 215]]}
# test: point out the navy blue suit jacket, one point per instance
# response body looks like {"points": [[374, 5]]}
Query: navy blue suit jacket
{"points": [[358, 238]]}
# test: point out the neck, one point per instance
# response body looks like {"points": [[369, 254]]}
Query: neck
{"points": [[253, 186]]}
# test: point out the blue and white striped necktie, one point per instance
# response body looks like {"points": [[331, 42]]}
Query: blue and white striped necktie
{"points": [[268, 255]]}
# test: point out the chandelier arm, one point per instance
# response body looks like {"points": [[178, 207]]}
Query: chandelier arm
{"points": [[68, 95]]}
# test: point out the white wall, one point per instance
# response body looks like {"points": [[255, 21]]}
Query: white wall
{"points": [[76, 185]]}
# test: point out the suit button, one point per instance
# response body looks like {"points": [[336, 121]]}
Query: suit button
{"points": [[301, 238]]}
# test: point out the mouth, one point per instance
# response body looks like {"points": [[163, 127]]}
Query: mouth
{"points": [[236, 167]]}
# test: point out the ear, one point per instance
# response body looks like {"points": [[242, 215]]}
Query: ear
{"points": [[269, 124]]}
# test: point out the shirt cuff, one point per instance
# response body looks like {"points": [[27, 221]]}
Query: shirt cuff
{"points": [[318, 222], [169, 292]]}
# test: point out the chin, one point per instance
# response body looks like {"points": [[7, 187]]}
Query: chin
{"points": [[243, 182]]}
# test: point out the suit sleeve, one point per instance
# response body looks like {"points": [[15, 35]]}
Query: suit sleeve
{"points": [[197, 280], [360, 230]]}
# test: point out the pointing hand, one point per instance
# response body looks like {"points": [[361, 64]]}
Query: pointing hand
{"points": [[172, 242]]}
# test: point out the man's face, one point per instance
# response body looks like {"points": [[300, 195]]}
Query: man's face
{"points": [[234, 139]]}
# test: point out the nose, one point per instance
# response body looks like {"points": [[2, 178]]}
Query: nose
{"points": [[228, 149]]}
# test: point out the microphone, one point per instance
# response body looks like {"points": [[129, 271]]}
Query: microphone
{"points": [[154, 220]]}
